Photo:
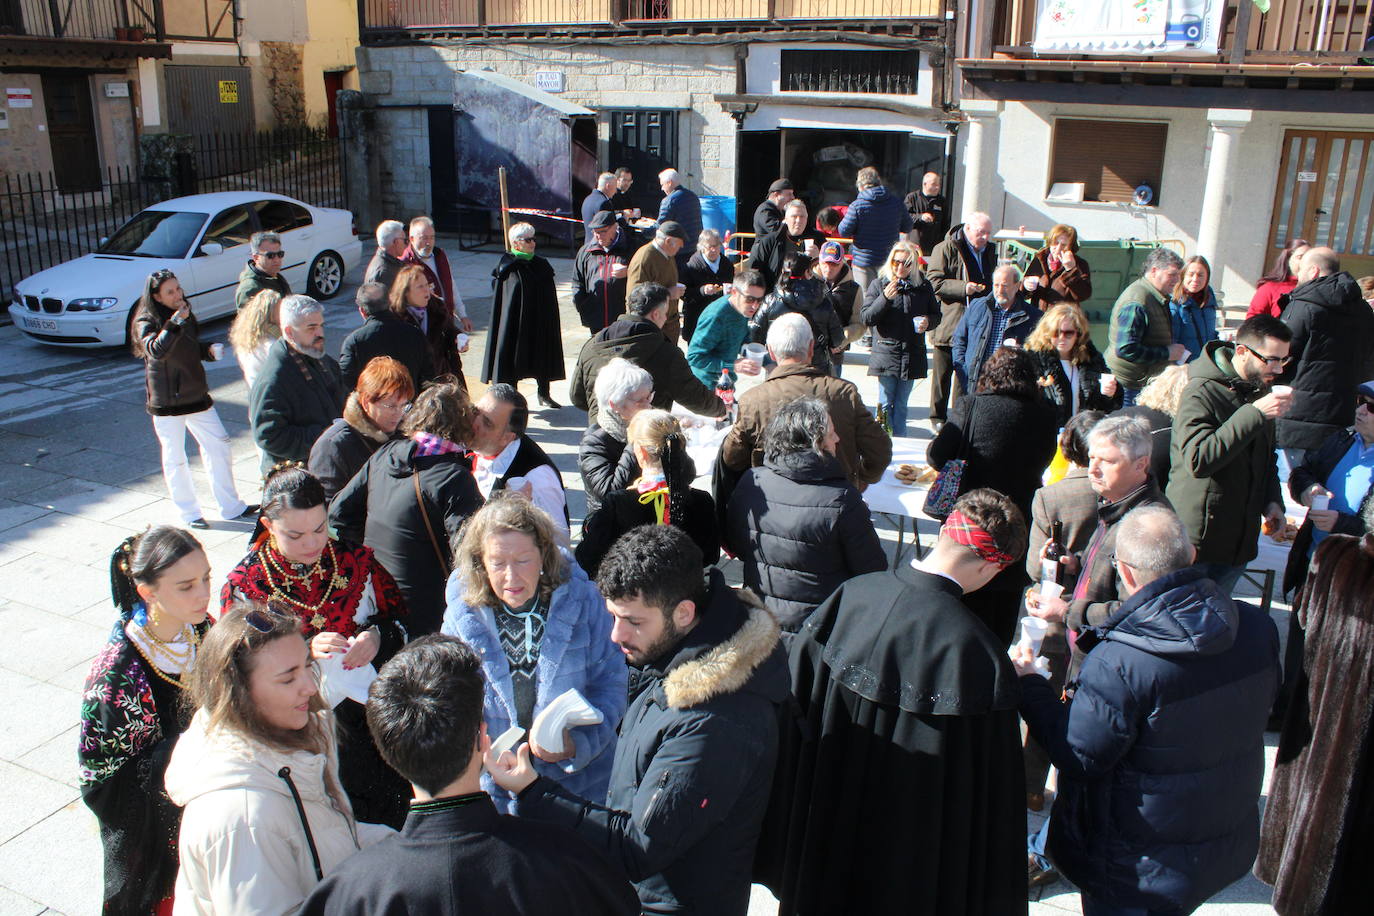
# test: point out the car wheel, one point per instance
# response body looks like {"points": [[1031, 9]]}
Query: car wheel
{"points": [[129, 326], [325, 276]]}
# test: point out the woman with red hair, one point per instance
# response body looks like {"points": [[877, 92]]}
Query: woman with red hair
{"points": [[374, 410]]}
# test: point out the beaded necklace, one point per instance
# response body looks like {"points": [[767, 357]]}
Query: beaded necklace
{"points": [[332, 581], [160, 653]]}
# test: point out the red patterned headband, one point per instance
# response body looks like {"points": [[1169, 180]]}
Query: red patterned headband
{"points": [[962, 530]]}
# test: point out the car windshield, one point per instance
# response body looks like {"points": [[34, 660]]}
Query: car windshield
{"points": [[156, 234]]}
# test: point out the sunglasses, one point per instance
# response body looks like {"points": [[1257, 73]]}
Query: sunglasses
{"points": [[258, 621], [748, 298], [162, 274], [1365, 402], [1065, 333], [271, 255], [901, 262]]}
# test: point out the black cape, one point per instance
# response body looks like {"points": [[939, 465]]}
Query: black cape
{"points": [[900, 783], [525, 340], [459, 856]]}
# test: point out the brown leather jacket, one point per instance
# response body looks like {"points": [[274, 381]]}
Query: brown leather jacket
{"points": [[172, 355], [865, 450]]}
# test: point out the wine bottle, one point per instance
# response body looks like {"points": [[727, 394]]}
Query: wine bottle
{"points": [[1051, 570]]}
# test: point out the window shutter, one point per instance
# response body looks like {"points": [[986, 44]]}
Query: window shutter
{"points": [[1110, 157]]}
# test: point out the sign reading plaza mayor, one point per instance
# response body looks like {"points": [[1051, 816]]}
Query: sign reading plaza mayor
{"points": [[1129, 26]]}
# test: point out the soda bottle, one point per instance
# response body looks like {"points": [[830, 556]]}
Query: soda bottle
{"points": [[725, 390]]}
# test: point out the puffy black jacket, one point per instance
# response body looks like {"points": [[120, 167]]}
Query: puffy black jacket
{"points": [[386, 334], [343, 448], [807, 297], [693, 767], [694, 512], [379, 508], [801, 529], [897, 349], [606, 465], [1332, 351], [172, 372], [1161, 749]]}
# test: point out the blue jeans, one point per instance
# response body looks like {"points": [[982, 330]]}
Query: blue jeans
{"points": [[1035, 844], [893, 394]]}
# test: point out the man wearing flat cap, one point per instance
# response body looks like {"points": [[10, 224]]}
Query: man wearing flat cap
{"points": [[600, 271], [656, 262], [768, 217]]}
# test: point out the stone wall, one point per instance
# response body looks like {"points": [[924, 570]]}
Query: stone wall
{"points": [[282, 72], [401, 81]]}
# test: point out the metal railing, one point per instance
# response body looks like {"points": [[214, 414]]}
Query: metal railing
{"points": [[41, 225], [98, 19], [1297, 30]]}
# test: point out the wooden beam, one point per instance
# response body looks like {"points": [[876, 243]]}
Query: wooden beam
{"points": [[1241, 37]]}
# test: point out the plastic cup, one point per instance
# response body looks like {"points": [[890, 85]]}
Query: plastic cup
{"points": [[1283, 391], [217, 351], [1187, 355], [463, 341], [755, 351], [1104, 379], [1033, 633], [1051, 589], [1320, 501]]}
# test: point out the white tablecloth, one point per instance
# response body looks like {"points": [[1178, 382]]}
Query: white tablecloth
{"points": [[889, 495]]}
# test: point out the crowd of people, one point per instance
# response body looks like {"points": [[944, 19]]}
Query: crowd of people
{"points": [[427, 687]]}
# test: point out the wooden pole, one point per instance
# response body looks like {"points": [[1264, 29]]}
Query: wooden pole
{"points": [[505, 209]]}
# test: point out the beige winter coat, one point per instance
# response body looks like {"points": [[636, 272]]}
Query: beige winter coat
{"points": [[243, 849]]}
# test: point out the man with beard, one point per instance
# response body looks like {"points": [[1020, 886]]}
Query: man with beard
{"points": [[698, 743], [900, 787], [299, 390]]}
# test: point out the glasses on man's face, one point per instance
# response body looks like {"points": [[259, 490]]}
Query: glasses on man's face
{"points": [[751, 299], [272, 255], [1279, 361]]}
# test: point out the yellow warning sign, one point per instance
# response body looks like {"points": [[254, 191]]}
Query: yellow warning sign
{"points": [[229, 92]]}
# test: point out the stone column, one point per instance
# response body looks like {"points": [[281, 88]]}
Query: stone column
{"points": [[980, 156], [1226, 127]]}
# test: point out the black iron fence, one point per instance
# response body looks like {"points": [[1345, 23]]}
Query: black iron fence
{"points": [[42, 225]]}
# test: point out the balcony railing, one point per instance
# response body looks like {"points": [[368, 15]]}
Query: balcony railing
{"points": [[436, 15], [108, 20], [1315, 31]]}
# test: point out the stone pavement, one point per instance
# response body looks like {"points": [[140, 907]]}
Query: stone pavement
{"points": [[79, 471]]}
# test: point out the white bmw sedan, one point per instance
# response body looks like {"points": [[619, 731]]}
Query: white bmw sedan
{"points": [[204, 240]]}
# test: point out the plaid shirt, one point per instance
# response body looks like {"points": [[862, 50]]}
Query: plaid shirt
{"points": [[1000, 316], [1131, 332]]}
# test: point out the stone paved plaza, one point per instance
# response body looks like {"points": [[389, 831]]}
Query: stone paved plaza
{"points": [[79, 471]]}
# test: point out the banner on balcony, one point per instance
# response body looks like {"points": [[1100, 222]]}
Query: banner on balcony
{"points": [[1115, 27]]}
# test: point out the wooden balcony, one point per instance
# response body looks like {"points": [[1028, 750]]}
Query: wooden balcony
{"points": [[1307, 32], [420, 19], [40, 23]]}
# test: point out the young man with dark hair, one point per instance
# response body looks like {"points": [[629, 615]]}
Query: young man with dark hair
{"points": [[902, 789], [1224, 477], [456, 854], [699, 741]]}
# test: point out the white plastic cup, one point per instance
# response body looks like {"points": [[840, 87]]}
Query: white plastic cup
{"points": [[1103, 380], [1051, 589], [1031, 284], [1320, 502], [1283, 391], [1187, 354], [755, 351], [217, 351], [1011, 342], [463, 341], [1033, 631]]}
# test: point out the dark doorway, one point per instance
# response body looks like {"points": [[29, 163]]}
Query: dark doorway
{"points": [[71, 131], [760, 164], [443, 169], [333, 84], [645, 142]]}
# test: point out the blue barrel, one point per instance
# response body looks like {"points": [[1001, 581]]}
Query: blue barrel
{"points": [[718, 213]]}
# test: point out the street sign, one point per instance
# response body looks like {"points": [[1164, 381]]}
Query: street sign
{"points": [[229, 92], [548, 80]]}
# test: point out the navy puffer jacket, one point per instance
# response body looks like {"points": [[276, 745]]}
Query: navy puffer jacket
{"points": [[875, 221], [1161, 749]]}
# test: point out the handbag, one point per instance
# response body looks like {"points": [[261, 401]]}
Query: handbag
{"points": [[433, 541], [948, 484]]}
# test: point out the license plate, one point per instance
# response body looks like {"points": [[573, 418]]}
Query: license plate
{"points": [[38, 324]]}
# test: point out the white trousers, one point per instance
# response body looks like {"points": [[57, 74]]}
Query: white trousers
{"points": [[213, 440]]}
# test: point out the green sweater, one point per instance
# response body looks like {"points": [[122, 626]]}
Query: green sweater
{"points": [[1140, 333], [721, 331]]}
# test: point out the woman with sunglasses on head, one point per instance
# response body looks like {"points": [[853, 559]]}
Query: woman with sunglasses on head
{"points": [[412, 298], [1071, 373], [899, 306], [131, 712], [256, 771], [165, 335], [373, 411], [345, 604]]}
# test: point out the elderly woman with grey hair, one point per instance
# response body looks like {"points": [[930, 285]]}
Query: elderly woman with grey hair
{"points": [[798, 524], [525, 340], [707, 275], [299, 391], [623, 389]]}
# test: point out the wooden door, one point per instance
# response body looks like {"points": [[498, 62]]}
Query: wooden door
{"points": [[1325, 194], [71, 131], [333, 84]]}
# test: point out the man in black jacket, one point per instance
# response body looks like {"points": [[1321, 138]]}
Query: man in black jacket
{"points": [[794, 235], [698, 743], [383, 333], [768, 216], [929, 213], [299, 391], [456, 854], [600, 270], [1332, 352], [639, 338], [900, 788]]}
